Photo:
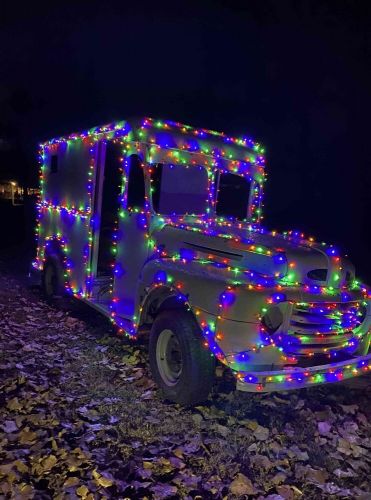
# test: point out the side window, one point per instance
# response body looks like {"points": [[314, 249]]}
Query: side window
{"points": [[179, 189], [136, 190], [54, 164], [156, 174], [233, 196]]}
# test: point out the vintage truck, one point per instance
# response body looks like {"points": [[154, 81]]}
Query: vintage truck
{"points": [[158, 226]]}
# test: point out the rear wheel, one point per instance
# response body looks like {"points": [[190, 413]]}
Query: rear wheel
{"points": [[182, 368], [53, 278]]}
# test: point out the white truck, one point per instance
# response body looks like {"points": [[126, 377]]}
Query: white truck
{"points": [[158, 226]]}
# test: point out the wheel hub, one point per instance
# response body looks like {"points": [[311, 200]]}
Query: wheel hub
{"points": [[169, 357]]}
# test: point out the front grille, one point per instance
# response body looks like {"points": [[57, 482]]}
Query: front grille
{"points": [[317, 326]]}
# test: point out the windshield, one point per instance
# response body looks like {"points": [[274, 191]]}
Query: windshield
{"points": [[179, 189], [233, 196]]}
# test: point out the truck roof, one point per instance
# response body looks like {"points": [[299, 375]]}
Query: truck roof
{"points": [[178, 136]]}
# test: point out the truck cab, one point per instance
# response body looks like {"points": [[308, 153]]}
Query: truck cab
{"points": [[158, 225]]}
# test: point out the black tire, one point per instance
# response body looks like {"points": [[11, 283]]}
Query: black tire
{"points": [[53, 278], [191, 384]]}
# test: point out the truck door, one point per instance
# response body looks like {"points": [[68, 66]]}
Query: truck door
{"points": [[131, 243]]}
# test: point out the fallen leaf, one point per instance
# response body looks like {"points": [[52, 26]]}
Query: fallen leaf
{"points": [[344, 446], [197, 419], [324, 428], [341, 473], [279, 478], [242, 485], [102, 480], [349, 409], [9, 426], [14, 404], [164, 490], [82, 491], [261, 462], [261, 433], [21, 466], [49, 462], [316, 475], [71, 481], [296, 452], [285, 491], [221, 429], [26, 436], [250, 424]]}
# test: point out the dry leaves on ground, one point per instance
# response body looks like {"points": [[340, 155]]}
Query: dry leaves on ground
{"points": [[80, 417]]}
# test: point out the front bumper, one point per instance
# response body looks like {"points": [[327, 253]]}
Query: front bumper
{"points": [[296, 377]]}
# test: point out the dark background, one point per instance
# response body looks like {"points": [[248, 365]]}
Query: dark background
{"points": [[294, 75]]}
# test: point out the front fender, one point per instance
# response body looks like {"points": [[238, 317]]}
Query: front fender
{"points": [[229, 316], [201, 291]]}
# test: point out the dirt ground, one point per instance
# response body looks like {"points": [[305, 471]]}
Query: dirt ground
{"points": [[81, 418]]}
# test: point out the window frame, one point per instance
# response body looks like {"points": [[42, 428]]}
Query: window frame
{"points": [[253, 182], [207, 200], [128, 207]]}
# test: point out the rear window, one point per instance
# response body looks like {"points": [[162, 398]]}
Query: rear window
{"points": [[179, 190], [233, 196]]}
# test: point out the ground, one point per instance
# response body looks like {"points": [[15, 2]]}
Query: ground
{"points": [[81, 417]]}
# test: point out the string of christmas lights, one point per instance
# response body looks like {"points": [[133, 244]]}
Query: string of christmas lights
{"points": [[157, 141]]}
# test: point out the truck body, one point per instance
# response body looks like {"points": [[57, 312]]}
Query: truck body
{"points": [[145, 216]]}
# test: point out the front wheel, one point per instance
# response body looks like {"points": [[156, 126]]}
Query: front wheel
{"points": [[182, 368]]}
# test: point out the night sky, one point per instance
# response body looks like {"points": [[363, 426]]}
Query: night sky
{"points": [[295, 75]]}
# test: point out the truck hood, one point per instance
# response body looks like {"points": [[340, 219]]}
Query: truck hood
{"points": [[270, 256]]}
